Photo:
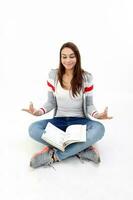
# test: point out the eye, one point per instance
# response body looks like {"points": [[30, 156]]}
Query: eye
{"points": [[72, 56]]}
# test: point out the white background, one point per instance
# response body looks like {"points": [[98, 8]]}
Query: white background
{"points": [[31, 34]]}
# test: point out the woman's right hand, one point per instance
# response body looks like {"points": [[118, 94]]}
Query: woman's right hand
{"points": [[33, 110]]}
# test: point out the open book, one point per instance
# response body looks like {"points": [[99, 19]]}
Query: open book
{"points": [[60, 139]]}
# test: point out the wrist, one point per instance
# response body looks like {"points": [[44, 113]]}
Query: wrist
{"points": [[95, 114], [42, 111]]}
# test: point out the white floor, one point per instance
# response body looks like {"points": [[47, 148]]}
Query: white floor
{"points": [[71, 179]]}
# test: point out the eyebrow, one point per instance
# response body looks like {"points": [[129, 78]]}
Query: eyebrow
{"points": [[68, 55]]}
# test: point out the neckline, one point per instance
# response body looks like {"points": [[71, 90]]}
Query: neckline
{"points": [[69, 90]]}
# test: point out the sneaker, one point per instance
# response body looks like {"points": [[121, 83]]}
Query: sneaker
{"points": [[45, 149], [90, 154], [42, 158]]}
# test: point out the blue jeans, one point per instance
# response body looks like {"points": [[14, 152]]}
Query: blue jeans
{"points": [[94, 132]]}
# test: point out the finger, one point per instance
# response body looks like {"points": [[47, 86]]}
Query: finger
{"points": [[110, 117], [31, 106], [24, 109], [106, 109], [27, 110]]}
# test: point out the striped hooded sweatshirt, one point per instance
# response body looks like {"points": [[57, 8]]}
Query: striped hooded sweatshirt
{"points": [[51, 103]]}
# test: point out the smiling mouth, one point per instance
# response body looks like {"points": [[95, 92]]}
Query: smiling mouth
{"points": [[69, 64]]}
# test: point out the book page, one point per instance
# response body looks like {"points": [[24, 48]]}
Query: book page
{"points": [[75, 133], [54, 136]]}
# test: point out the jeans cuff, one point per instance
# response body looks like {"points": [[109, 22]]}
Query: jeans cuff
{"points": [[55, 152]]}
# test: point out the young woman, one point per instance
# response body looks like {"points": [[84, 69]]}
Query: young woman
{"points": [[70, 95]]}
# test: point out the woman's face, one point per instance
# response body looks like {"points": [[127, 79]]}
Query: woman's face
{"points": [[68, 58]]}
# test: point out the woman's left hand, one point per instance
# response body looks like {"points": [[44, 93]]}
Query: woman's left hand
{"points": [[103, 115]]}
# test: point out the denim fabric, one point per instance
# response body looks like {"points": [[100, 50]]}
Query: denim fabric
{"points": [[94, 132]]}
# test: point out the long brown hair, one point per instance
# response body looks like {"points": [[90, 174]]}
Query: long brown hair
{"points": [[77, 80]]}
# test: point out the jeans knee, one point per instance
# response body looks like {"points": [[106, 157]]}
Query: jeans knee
{"points": [[31, 130], [101, 130]]}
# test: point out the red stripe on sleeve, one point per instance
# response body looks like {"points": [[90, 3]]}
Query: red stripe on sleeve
{"points": [[43, 110], [50, 85], [88, 89], [93, 113]]}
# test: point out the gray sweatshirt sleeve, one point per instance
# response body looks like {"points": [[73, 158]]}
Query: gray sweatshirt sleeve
{"points": [[88, 90], [50, 103]]}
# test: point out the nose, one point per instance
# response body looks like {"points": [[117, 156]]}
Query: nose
{"points": [[68, 60]]}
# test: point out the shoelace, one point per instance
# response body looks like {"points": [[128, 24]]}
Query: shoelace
{"points": [[51, 152], [50, 165], [81, 160]]}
